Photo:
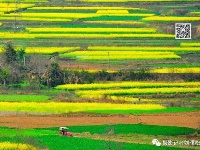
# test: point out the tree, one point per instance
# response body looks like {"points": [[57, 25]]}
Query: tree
{"points": [[54, 75], [4, 75], [9, 53], [37, 66], [20, 55]]}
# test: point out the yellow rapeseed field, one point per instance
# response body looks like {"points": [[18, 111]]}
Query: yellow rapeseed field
{"points": [[36, 19], [142, 48], [7, 9], [136, 91], [120, 1], [10, 35], [60, 107], [74, 15], [15, 146], [112, 11], [176, 70], [55, 15], [87, 8], [171, 18], [65, 30], [126, 84], [189, 44], [114, 35], [14, 5], [49, 50]]}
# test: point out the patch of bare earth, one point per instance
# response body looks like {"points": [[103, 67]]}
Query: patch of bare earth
{"points": [[187, 119]]}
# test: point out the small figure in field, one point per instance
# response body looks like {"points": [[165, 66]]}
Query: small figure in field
{"points": [[139, 99], [63, 131]]}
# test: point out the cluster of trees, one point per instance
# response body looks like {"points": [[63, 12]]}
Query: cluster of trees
{"points": [[38, 70], [17, 67], [81, 77]]}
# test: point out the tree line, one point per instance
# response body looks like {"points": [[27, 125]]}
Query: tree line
{"points": [[38, 70]]}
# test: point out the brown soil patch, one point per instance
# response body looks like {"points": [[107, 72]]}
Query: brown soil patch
{"points": [[85, 66], [189, 119]]}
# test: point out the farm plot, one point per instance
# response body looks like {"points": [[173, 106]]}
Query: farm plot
{"points": [[49, 50], [123, 90], [50, 134], [190, 44], [23, 98], [126, 85], [177, 70], [87, 8], [64, 108], [21, 146], [99, 53], [93, 30], [119, 55], [171, 18], [144, 48]]}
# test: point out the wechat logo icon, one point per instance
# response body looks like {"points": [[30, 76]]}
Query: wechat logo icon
{"points": [[156, 142]]}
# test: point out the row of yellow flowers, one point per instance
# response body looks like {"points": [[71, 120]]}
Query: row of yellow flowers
{"points": [[67, 30], [9, 35], [60, 107], [100, 50], [171, 18], [189, 44], [54, 15], [36, 19], [120, 1], [49, 50], [136, 91], [16, 146], [14, 5], [86, 8], [142, 48], [113, 35], [131, 84], [74, 15], [177, 70], [45, 50], [112, 12]]}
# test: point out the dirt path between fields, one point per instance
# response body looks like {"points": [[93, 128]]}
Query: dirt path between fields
{"points": [[189, 119]]}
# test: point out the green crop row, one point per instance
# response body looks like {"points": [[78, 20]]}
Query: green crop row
{"points": [[23, 98]]}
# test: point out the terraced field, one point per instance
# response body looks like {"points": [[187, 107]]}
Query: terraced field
{"points": [[118, 62]]}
